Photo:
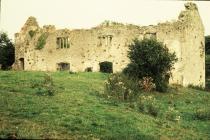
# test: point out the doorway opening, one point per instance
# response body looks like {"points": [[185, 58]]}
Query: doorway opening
{"points": [[89, 69], [106, 67], [21, 63]]}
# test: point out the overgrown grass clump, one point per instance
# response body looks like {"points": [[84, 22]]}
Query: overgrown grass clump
{"points": [[202, 113], [45, 87], [120, 87], [148, 105]]}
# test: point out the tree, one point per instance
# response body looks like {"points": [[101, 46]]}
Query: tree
{"points": [[207, 44], [6, 51], [150, 58]]}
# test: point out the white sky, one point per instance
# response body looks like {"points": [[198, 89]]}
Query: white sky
{"points": [[89, 13]]}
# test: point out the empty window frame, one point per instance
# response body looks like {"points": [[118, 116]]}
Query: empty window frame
{"points": [[106, 39], [62, 42]]}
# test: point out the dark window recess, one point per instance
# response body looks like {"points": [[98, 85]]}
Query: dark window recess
{"points": [[105, 39], [63, 66], [106, 67], [89, 69]]}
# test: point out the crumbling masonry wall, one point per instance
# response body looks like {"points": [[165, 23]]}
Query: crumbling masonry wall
{"points": [[86, 48]]}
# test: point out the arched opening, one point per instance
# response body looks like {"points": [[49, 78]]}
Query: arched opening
{"points": [[21, 63], [89, 69], [106, 67]]}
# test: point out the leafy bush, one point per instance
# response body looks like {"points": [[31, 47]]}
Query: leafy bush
{"points": [[45, 87], [172, 114], [148, 105], [121, 87], [202, 114], [150, 58], [41, 41], [106, 67]]}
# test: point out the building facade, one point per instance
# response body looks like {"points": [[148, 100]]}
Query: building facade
{"points": [[51, 49]]}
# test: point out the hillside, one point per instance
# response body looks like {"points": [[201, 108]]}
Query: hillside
{"points": [[79, 111]]}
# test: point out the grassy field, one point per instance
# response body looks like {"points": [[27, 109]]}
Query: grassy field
{"points": [[78, 111]]}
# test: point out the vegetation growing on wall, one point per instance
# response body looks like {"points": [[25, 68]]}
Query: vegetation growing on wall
{"points": [[31, 33], [41, 41], [108, 23]]}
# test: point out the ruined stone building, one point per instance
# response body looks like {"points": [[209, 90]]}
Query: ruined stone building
{"points": [[49, 49]]}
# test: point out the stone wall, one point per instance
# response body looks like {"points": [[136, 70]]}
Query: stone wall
{"points": [[86, 48]]}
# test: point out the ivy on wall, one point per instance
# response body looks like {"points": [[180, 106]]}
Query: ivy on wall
{"points": [[41, 41]]}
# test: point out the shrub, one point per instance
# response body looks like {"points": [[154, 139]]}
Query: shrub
{"points": [[172, 114], [150, 58], [148, 105], [202, 114], [45, 87], [41, 41], [106, 67], [48, 84], [147, 84], [121, 87]]}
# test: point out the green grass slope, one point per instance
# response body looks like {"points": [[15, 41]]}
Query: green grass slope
{"points": [[77, 111]]}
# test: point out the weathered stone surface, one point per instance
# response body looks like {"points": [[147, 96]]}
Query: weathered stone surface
{"points": [[86, 48]]}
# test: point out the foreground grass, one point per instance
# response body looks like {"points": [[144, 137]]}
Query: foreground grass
{"points": [[77, 111]]}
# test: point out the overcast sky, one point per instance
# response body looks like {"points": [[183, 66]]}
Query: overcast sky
{"points": [[89, 13]]}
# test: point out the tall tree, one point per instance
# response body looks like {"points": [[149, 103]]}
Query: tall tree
{"points": [[207, 44], [6, 51], [0, 14]]}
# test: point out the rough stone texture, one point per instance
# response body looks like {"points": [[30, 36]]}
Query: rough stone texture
{"points": [[109, 42]]}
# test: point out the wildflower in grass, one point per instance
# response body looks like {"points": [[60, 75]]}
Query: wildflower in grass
{"points": [[147, 84], [172, 114]]}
